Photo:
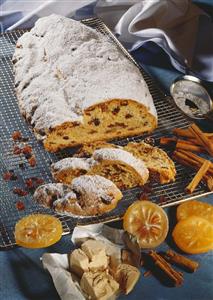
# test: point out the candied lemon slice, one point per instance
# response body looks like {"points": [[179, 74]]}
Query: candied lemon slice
{"points": [[147, 222], [195, 208], [38, 231], [194, 235]]}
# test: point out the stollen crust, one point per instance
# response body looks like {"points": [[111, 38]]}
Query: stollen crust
{"points": [[75, 86]]}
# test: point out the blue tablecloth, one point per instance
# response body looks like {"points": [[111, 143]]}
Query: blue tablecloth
{"points": [[23, 278]]}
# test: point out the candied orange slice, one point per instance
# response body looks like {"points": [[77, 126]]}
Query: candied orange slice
{"points": [[146, 221], [38, 231], [195, 208], [194, 235]]}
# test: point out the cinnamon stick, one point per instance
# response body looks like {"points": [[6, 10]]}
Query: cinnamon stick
{"points": [[187, 133], [194, 141], [181, 261], [182, 132], [198, 177], [167, 140], [190, 147], [209, 182], [197, 159], [182, 158], [200, 136], [191, 159], [159, 261]]}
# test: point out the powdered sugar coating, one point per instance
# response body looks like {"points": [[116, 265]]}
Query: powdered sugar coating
{"points": [[87, 195], [63, 67], [94, 188], [114, 154], [72, 163]]}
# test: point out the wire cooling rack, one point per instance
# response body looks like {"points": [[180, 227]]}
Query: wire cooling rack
{"points": [[11, 120]]}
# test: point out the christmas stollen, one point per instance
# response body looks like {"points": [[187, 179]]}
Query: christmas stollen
{"points": [[117, 165], [85, 196], [74, 86], [159, 164]]}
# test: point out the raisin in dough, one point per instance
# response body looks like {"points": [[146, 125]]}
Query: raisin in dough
{"points": [[120, 166]]}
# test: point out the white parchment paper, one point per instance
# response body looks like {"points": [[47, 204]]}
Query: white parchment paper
{"points": [[66, 283]]}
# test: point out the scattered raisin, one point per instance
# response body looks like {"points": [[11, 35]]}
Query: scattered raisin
{"points": [[7, 176], [20, 192], [16, 136], [29, 183], [32, 161], [147, 188], [143, 196], [20, 205], [66, 137], [27, 149], [162, 199], [39, 181], [17, 150], [33, 182]]}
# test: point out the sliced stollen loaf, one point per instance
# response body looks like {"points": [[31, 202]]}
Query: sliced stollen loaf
{"points": [[85, 196], [156, 160], [117, 165], [66, 169], [74, 86]]}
